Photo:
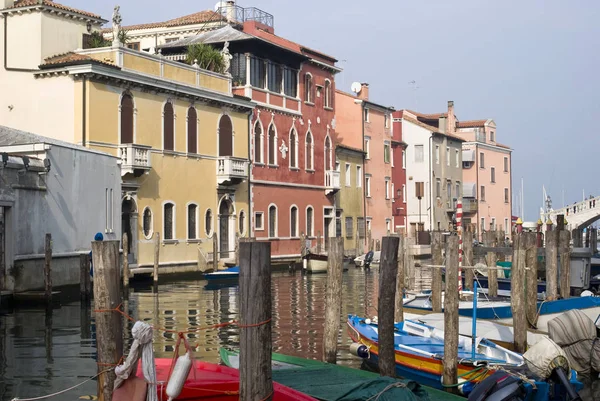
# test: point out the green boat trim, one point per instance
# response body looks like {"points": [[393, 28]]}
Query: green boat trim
{"points": [[324, 381]]}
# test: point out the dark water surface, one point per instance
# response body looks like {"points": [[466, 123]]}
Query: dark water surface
{"points": [[41, 353]]}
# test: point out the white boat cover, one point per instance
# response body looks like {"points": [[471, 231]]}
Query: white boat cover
{"points": [[544, 357]]}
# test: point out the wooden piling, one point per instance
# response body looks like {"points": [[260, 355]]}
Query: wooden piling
{"points": [[125, 263], [564, 253], [319, 242], [517, 292], [551, 265], [388, 271], [531, 263], [468, 258], [450, 361], [489, 239], [156, 257], [436, 272], [48, 267], [84, 278], [109, 324], [399, 306], [215, 249], [255, 328], [333, 299]]}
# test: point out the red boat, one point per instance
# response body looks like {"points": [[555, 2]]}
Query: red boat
{"points": [[209, 381]]}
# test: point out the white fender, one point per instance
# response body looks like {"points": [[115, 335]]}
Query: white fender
{"points": [[179, 376]]}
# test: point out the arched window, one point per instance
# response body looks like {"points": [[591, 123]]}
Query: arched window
{"points": [[192, 130], [309, 151], [258, 143], [208, 223], [328, 93], [309, 222], [169, 221], [126, 111], [192, 218], [328, 156], [293, 148], [272, 145], [272, 221], [294, 222], [308, 88], [168, 127], [147, 223], [242, 223], [225, 136]]}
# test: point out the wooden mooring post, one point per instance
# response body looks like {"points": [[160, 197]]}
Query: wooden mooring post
{"points": [[215, 250], [436, 271], [517, 292], [531, 263], [48, 267], [333, 299], [85, 282], [468, 258], [551, 264], [109, 323], [156, 258], [399, 306], [564, 252], [450, 375], [388, 272], [489, 239], [255, 315], [125, 245]]}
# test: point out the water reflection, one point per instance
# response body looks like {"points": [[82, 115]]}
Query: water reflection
{"points": [[45, 351]]}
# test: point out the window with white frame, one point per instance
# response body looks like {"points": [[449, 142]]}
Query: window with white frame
{"points": [[328, 97], [272, 145], [208, 223], [437, 154], [169, 221], [506, 164], [387, 188], [419, 154], [359, 177], [309, 152], [259, 221], [482, 194], [293, 149], [457, 158], [492, 174], [447, 156], [242, 223], [368, 186], [481, 160], [386, 152], [403, 193], [493, 224], [483, 224], [366, 115], [506, 195], [272, 221], [258, 143], [349, 227], [505, 225], [369, 224], [387, 121], [147, 223], [438, 187], [388, 225], [368, 147], [192, 218], [404, 159], [392, 193], [347, 174], [308, 88], [310, 222], [294, 222]]}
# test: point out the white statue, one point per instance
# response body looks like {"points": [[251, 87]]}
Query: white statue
{"points": [[116, 27], [226, 57], [283, 149]]}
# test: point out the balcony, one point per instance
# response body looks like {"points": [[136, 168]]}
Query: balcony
{"points": [[451, 205], [469, 205], [231, 170], [135, 159], [332, 181]]}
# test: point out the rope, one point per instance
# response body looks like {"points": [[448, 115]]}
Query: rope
{"points": [[62, 391], [389, 387]]}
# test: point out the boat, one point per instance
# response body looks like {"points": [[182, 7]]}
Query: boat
{"points": [[209, 381], [315, 263], [500, 310], [232, 273], [419, 351], [330, 382]]}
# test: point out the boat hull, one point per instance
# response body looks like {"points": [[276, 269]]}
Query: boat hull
{"points": [[233, 273], [315, 263]]}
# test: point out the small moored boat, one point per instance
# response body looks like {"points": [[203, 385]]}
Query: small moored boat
{"points": [[233, 273], [315, 263]]}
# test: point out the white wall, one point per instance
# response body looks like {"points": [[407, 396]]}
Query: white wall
{"points": [[24, 40], [60, 34], [414, 135], [45, 106]]}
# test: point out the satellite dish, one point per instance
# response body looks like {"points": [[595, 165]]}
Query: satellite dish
{"points": [[220, 5], [356, 87]]}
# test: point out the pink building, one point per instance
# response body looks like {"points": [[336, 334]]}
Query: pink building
{"points": [[487, 172]]}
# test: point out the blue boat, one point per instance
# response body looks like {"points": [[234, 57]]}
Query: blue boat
{"points": [[233, 273], [419, 351]]}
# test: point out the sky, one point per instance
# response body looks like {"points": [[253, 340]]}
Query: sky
{"points": [[532, 66]]}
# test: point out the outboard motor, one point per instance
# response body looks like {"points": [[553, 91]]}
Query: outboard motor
{"points": [[499, 386], [368, 259]]}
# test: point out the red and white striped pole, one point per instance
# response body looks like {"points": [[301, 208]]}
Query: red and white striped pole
{"points": [[460, 241]]}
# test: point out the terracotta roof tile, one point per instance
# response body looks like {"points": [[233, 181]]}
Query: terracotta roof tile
{"points": [[191, 19], [432, 129], [277, 40], [471, 123], [502, 146], [434, 116], [70, 58], [50, 3]]}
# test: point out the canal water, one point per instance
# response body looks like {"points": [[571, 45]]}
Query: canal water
{"points": [[41, 353]]}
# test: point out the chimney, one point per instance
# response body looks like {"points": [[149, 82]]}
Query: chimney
{"points": [[364, 91], [230, 10], [451, 120]]}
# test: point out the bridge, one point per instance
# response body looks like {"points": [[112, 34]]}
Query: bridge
{"points": [[577, 216]]}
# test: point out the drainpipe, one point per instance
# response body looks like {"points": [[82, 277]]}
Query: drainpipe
{"points": [[250, 213], [430, 197], [509, 234], [364, 163], [84, 112], [6, 50], [477, 190]]}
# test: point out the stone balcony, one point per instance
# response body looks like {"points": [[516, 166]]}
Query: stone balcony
{"points": [[332, 181], [135, 159], [469, 205], [231, 170]]}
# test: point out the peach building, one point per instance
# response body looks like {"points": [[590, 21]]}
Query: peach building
{"points": [[487, 192]]}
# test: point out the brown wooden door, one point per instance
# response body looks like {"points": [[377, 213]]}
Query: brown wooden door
{"points": [[126, 119], [224, 229], [225, 137]]}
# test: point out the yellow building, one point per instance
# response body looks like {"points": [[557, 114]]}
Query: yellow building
{"points": [[181, 134], [350, 197]]}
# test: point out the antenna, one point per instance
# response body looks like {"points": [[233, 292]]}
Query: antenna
{"points": [[356, 87], [220, 5]]}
